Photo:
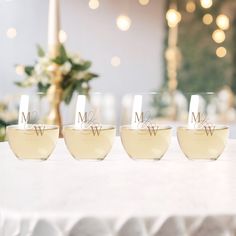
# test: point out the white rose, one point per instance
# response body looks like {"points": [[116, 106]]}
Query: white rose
{"points": [[81, 75], [51, 68], [32, 80], [84, 85], [44, 61], [38, 69], [76, 58], [65, 68], [44, 80]]}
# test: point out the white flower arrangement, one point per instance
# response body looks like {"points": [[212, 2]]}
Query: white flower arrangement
{"points": [[74, 71]]}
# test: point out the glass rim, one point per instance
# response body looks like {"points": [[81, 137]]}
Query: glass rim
{"points": [[29, 126], [216, 126], [74, 126], [167, 127]]}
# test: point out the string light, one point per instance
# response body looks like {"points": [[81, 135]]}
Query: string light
{"points": [[207, 19], [206, 3], [173, 17], [221, 52], [218, 36], [94, 4], [144, 2], [123, 22], [115, 61], [190, 6], [11, 33], [62, 36], [222, 22]]}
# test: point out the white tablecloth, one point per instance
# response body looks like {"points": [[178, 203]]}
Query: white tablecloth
{"points": [[118, 196]]}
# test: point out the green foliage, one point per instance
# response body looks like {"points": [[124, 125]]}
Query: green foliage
{"points": [[29, 70], [3, 125], [43, 88], [62, 57], [200, 69], [41, 52], [233, 82]]}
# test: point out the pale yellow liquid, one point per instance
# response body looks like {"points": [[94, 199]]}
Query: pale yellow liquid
{"points": [[83, 144], [196, 144], [139, 144], [26, 144]]}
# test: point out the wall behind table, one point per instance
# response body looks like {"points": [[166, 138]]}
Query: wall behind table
{"points": [[92, 33]]}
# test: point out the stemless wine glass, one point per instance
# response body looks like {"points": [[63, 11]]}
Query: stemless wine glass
{"points": [[203, 138], [31, 139], [92, 135], [144, 133]]}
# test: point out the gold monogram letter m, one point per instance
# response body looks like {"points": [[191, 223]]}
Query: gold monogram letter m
{"points": [[83, 119], [24, 118], [196, 119], [138, 118]]}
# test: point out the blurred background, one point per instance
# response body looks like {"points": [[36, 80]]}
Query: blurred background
{"points": [[172, 46]]}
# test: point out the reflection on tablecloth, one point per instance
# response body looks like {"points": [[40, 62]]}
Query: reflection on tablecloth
{"points": [[90, 226]]}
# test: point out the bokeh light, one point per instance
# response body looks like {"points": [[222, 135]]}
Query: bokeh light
{"points": [[206, 3], [123, 22], [218, 36], [190, 6], [144, 2], [94, 4], [20, 69], [11, 33], [221, 52], [62, 36], [115, 61], [173, 17], [222, 22], [207, 19]]}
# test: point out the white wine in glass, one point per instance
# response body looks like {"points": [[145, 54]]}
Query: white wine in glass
{"points": [[91, 143], [32, 142], [204, 143], [145, 143]]}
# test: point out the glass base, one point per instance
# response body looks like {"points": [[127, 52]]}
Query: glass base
{"points": [[146, 158], [32, 159], [202, 159], [89, 159]]}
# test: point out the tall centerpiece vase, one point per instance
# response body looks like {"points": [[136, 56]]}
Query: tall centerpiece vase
{"points": [[54, 95], [55, 91]]}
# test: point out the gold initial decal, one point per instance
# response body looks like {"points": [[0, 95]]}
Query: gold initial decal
{"points": [[152, 130], [83, 119], [138, 118], [24, 118], [96, 130], [209, 130], [196, 119], [39, 130]]}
